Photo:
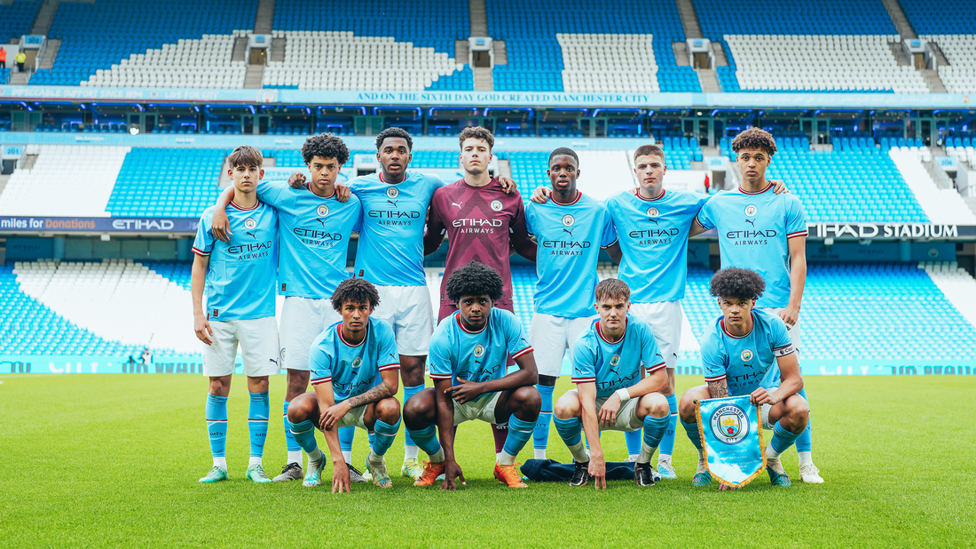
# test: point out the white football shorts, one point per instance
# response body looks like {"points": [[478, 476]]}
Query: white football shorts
{"points": [[258, 338], [664, 318], [408, 310], [550, 336], [627, 419], [302, 320], [482, 409]]}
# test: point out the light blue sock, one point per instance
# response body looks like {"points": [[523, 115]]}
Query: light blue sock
{"points": [[667, 443], [693, 434], [426, 439], [383, 436], [805, 442], [407, 393], [654, 429], [633, 440], [540, 433], [346, 435], [217, 424], [782, 439], [257, 422], [304, 434], [290, 443], [519, 433], [569, 430]]}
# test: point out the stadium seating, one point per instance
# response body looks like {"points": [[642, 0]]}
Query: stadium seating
{"points": [[203, 63], [16, 19], [940, 205], [342, 61], [66, 181], [159, 182], [97, 35], [608, 63], [530, 29], [959, 76], [956, 284], [945, 17]]}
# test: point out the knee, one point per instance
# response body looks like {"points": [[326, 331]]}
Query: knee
{"points": [[655, 404], [419, 410], [528, 399], [301, 408], [388, 410], [567, 406], [798, 409], [686, 406]]}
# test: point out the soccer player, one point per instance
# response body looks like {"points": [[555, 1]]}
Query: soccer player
{"points": [[569, 230], [748, 351], [766, 233], [481, 221], [468, 356], [239, 279], [611, 391], [354, 377], [314, 230]]}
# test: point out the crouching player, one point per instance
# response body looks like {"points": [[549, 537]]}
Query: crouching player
{"points": [[354, 365], [611, 392], [748, 351], [468, 355]]}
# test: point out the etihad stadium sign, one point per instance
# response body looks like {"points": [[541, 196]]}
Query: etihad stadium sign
{"points": [[891, 231]]}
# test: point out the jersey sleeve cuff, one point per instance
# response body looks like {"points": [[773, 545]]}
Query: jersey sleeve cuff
{"points": [[579, 380], [796, 234], [321, 380], [440, 376], [657, 367], [394, 366], [706, 227], [198, 251], [713, 379], [522, 352]]}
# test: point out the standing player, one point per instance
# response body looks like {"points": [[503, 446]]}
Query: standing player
{"points": [[239, 277], [611, 391], [766, 233], [469, 353], [354, 377], [747, 351], [314, 230], [481, 221], [569, 230]]}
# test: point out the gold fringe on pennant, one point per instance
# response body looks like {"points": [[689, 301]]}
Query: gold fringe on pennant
{"points": [[762, 447]]}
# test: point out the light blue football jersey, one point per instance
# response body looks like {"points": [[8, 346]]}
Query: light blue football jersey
{"points": [[353, 369], [617, 365], [391, 244], [748, 362], [241, 275], [314, 238], [456, 353], [653, 237], [569, 237], [753, 233]]}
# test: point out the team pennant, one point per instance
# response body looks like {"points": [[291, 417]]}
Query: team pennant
{"points": [[731, 435]]}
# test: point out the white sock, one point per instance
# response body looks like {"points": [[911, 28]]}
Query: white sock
{"points": [[633, 457], [805, 457], [701, 466], [373, 458], [295, 457], [646, 453], [438, 456], [498, 455], [347, 456], [539, 453], [664, 458], [506, 458], [579, 452], [316, 455], [253, 461], [411, 452], [771, 453], [220, 462]]}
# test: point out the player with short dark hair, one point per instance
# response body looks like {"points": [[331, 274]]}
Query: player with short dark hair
{"points": [[748, 351], [238, 278], [765, 232], [609, 361], [354, 379], [468, 355], [314, 231]]}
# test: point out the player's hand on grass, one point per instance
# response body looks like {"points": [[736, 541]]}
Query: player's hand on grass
{"points": [[761, 396], [340, 477], [598, 471], [723, 487], [540, 195], [779, 187], [607, 416], [220, 226], [789, 315], [508, 185], [201, 326], [465, 391], [342, 192], [452, 471], [331, 417], [297, 180]]}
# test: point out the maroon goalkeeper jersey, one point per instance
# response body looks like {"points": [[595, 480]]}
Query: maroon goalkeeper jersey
{"points": [[479, 223]]}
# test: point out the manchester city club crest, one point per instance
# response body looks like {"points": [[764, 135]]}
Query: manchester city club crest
{"points": [[568, 220], [751, 210], [615, 359], [496, 205], [653, 212], [730, 424], [746, 355], [322, 210], [731, 434], [479, 351], [357, 362], [282, 352], [250, 223], [392, 192]]}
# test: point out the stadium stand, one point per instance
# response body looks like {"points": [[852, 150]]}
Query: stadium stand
{"points": [[530, 29], [956, 284], [203, 63], [98, 35], [16, 19], [608, 62], [946, 17], [66, 181], [940, 205], [160, 182], [960, 51]]}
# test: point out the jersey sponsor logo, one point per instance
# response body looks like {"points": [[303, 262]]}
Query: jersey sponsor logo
{"points": [[252, 251], [392, 192], [252, 235], [496, 205], [568, 220], [746, 355], [250, 223], [730, 424], [316, 234], [479, 351], [322, 211], [477, 223]]}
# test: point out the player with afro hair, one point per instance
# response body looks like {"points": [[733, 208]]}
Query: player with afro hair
{"points": [[474, 279], [754, 138], [736, 283], [355, 290], [325, 145]]}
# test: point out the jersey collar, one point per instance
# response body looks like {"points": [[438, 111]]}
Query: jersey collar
{"points": [[467, 331], [599, 332], [308, 185], [347, 344], [768, 186], [665, 191], [579, 195], [728, 333], [236, 207]]}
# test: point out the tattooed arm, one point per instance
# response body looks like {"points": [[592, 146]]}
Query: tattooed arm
{"points": [[718, 389], [387, 388]]}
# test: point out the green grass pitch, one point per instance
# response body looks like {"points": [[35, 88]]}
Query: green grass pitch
{"points": [[111, 461]]}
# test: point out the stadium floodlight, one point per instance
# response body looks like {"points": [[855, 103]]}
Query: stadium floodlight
{"points": [[134, 130]]}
